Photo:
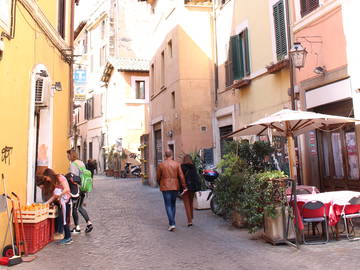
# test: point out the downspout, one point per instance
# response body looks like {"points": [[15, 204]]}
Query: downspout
{"points": [[291, 66], [71, 71], [216, 75]]}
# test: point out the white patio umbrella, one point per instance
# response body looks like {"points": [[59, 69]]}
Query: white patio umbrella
{"points": [[290, 123]]}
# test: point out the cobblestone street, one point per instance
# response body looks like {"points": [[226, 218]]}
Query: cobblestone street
{"points": [[130, 232]]}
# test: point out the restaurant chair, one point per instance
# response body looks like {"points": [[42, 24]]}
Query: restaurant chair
{"points": [[314, 212], [350, 211]]}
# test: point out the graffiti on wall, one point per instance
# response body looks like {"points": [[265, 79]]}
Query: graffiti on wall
{"points": [[5, 154]]}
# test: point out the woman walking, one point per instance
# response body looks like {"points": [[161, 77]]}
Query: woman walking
{"points": [[193, 184], [75, 166]]}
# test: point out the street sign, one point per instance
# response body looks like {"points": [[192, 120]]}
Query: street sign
{"points": [[79, 93], [80, 76]]}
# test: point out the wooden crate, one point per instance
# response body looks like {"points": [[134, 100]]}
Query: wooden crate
{"points": [[53, 212]]}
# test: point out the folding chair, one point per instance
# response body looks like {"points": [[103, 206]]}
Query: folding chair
{"points": [[314, 212], [348, 213]]}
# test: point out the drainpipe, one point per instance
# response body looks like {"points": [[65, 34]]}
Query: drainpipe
{"points": [[289, 45], [71, 71], [216, 75]]}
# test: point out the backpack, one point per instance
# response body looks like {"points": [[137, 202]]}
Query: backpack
{"points": [[86, 179], [73, 184]]}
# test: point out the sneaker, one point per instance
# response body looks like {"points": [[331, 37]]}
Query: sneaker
{"points": [[189, 224], [89, 228], [58, 236], [65, 241], [172, 228], [75, 231]]}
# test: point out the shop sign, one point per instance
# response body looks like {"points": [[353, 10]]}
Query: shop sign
{"points": [[79, 93], [80, 76]]}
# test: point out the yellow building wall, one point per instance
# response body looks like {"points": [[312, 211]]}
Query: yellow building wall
{"points": [[267, 93], [29, 48]]}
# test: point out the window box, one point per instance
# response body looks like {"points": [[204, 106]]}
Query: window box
{"points": [[273, 68], [237, 84]]}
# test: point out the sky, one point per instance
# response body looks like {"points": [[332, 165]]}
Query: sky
{"points": [[83, 10]]}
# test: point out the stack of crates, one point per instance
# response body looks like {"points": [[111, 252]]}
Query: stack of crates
{"points": [[38, 231]]}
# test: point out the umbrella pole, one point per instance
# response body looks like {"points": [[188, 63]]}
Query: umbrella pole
{"points": [[292, 157]]}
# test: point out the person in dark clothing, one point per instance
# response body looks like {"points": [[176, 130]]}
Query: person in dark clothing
{"points": [[90, 165], [193, 184]]}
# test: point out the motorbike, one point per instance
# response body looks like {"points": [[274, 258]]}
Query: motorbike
{"points": [[129, 169], [210, 176]]}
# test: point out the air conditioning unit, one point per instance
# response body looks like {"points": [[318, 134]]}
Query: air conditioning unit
{"points": [[41, 92]]}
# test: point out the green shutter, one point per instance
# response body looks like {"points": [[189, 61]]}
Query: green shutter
{"points": [[235, 53], [246, 51], [280, 30]]}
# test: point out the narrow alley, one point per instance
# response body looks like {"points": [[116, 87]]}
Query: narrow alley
{"points": [[131, 233]]}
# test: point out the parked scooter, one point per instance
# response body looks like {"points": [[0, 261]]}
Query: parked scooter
{"points": [[210, 175], [129, 169]]}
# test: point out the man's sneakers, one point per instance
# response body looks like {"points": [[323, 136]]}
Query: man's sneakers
{"points": [[65, 241], [89, 228], [172, 228], [75, 230]]}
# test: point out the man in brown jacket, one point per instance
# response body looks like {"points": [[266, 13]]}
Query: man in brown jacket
{"points": [[168, 175]]}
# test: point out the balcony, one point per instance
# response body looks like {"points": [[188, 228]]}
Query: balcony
{"points": [[200, 3]]}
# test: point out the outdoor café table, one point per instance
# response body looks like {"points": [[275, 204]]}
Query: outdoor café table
{"points": [[334, 202]]}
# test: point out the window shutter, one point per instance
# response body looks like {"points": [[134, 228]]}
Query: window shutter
{"points": [[229, 67], [236, 56], [280, 30], [61, 18], [246, 51]]}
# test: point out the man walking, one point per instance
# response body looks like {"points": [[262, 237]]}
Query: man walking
{"points": [[168, 175]]}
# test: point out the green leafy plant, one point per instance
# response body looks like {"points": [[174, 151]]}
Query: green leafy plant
{"points": [[261, 193]]}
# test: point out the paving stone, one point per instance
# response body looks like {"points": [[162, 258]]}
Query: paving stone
{"points": [[130, 232]]}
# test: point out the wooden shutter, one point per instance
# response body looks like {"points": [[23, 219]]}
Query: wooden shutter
{"points": [[280, 30], [235, 54], [229, 68], [307, 6], [61, 18], [246, 59]]}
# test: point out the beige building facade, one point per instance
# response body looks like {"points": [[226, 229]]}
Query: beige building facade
{"points": [[181, 81]]}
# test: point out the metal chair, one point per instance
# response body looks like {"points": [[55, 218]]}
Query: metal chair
{"points": [[348, 214], [314, 212]]}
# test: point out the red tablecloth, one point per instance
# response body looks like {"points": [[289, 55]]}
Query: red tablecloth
{"points": [[334, 202]]}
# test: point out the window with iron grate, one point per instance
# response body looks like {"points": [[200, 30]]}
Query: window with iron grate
{"points": [[308, 6]]}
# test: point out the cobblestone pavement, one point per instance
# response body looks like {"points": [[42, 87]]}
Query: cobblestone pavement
{"points": [[130, 232]]}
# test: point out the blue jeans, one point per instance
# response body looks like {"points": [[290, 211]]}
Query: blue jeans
{"points": [[170, 205]]}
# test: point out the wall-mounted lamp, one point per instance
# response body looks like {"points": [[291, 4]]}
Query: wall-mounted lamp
{"points": [[42, 73], [320, 70], [170, 133], [298, 54], [57, 86]]}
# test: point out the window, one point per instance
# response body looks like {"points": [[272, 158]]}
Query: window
{"points": [[152, 78], [170, 48], [103, 29], [90, 150], [140, 89], [223, 131], [102, 55], [280, 30], [238, 64], [162, 69], [89, 109], [86, 41], [307, 6], [173, 99], [61, 17]]}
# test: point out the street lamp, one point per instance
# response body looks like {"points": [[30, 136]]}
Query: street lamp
{"points": [[298, 54]]}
